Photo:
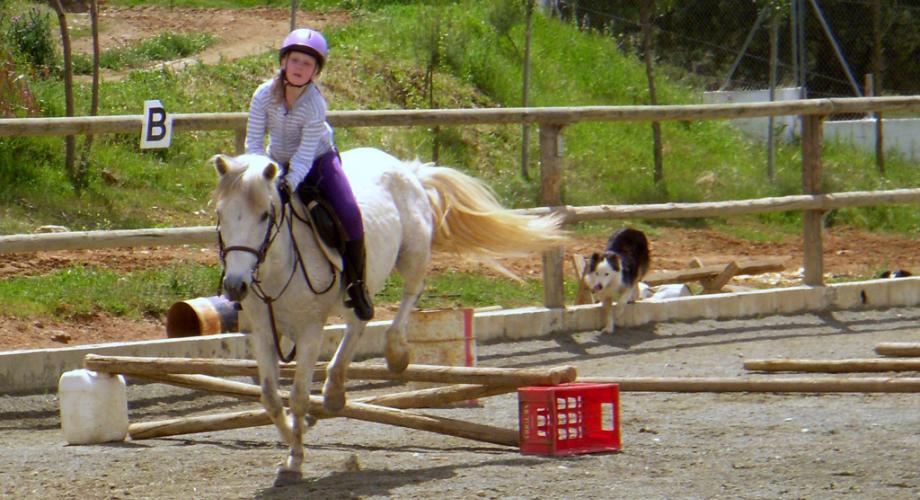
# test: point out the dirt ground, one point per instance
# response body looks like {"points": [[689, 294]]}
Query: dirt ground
{"points": [[237, 33], [675, 445]]}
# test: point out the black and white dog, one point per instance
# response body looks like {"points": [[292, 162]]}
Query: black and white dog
{"points": [[614, 276]]}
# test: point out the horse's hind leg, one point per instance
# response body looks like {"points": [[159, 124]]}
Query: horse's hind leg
{"points": [[397, 351], [336, 371]]}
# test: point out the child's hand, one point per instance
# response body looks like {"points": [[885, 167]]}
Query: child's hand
{"points": [[284, 191]]}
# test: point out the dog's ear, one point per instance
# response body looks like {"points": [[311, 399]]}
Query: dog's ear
{"points": [[614, 260], [593, 261]]}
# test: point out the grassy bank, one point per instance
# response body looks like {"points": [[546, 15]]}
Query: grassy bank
{"points": [[378, 62]]}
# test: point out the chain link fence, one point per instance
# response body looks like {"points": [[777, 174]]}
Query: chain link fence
{"points": [[727, 44], [778, 50]]}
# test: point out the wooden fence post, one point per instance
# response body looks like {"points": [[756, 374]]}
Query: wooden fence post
{"points": [[239, 136], [812, 136], [551, 196]]}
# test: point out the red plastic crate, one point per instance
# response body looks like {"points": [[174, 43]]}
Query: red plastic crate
{"points": [[569, 418]]}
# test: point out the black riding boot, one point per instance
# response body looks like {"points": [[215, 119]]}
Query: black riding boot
{"points": [[358, 297]]}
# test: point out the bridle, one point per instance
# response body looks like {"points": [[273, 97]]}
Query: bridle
{"points": [[275, 225], [258, 252]]}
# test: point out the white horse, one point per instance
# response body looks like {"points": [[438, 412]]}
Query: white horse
{"points": [[287, 285]]}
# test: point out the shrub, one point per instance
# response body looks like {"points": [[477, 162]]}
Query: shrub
{"points": [[30, 37]]}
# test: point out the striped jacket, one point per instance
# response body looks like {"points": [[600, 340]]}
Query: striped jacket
{"points": [[296, 137]]}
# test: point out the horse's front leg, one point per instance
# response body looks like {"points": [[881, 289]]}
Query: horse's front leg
{"points": [[308, 345], [336, 372], [267, 358]]}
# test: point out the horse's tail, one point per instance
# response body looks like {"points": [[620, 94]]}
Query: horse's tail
{"points": [[469, 220]]}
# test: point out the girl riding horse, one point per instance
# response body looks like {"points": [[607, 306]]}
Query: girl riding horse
{"points": [[291, 110]]}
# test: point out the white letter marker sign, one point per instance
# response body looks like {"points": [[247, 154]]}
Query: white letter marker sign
{"points": [[157, 130]]}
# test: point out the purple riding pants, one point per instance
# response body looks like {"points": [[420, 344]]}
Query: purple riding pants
{"points": [[329, 178]]}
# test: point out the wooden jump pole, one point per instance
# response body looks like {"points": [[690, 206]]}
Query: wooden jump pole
{"points": [[202, 423], [732, 384], [422, 398], [142, 366], [833, 365], [357, 410], [903, 349]]}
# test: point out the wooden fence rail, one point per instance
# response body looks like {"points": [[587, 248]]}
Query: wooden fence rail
{"points": [[96, 125], [551, 122], [204, 235]]}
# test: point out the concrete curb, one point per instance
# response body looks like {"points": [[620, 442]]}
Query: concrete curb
{"points": [[39, 370]]}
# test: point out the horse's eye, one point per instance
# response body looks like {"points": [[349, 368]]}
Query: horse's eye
{"points": [[264, 217]]}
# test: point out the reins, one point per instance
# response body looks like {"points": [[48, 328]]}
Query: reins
{"points": [[274, 229]]}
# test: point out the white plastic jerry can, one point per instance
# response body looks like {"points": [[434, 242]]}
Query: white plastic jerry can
{"points": [[94, 407]]}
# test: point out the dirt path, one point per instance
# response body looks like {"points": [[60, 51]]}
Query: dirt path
{"points": [[237, 33]]}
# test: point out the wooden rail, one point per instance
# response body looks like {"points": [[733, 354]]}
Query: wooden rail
{"points": [[561, 116], [551, 122], [204, 235]]}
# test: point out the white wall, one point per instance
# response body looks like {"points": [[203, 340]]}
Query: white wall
{"points": [[785, 127], [902, 135]]}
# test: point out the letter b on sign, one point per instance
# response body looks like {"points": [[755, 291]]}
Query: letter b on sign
{"points": [[157, 126]]}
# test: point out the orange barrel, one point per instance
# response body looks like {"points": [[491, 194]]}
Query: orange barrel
{"points": [[202, 316]]}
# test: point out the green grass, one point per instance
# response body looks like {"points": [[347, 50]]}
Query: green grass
{"points": [[163, 47], [77, 291], [453, 288]]}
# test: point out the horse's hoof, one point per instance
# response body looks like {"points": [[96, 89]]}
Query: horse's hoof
{"points": [[287, 477], [398, 362], [334, 403]]}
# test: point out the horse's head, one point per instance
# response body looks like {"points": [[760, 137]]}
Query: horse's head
{"points": [[247, 203]]}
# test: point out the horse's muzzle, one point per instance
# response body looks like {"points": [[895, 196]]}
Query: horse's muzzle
{"points": [[235, 288]]}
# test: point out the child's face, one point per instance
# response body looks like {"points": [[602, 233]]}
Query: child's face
{"points": [[299, 68]]}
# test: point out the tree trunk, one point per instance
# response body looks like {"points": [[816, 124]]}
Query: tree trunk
{"points": [[645, 13], [69, 141], [83, 165], [525, 128]]}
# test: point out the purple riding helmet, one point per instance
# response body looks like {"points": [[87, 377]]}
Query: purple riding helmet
{"points": [[310, 42]]}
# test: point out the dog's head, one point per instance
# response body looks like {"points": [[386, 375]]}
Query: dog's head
{"points": [[603, 272]]}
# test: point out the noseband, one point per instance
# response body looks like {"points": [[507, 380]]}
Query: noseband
{"points": [[259, 253]]}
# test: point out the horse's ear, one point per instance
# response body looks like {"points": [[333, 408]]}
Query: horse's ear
{"points": [[220, 164], [271, 170]]}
